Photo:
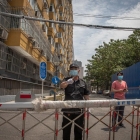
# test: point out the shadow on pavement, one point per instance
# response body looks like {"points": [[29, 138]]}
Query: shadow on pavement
{"points": [[99, 96], [107, 129]]}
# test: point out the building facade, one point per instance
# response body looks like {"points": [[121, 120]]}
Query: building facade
{"points": [[25, 43], [81, 73], [79, 63]]}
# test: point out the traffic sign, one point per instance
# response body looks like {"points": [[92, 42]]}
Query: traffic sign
{"points": [[43, 70], [55, 80]]}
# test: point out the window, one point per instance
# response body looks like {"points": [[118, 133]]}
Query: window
{"points": [[15, 22], [52, 7], [9, 59], [38, 13], [59, 35], [23, 24], [60, 13], [46, 30], [51, 40]]}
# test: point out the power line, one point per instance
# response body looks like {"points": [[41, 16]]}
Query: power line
{"points": [[103, 16], [69, 23]]}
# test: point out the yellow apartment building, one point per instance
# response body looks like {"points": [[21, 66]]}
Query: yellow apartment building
{"points": [[25, 43]]}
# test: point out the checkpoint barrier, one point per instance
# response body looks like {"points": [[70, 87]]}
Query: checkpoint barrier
{"points": [[51, 98], [40, 105]]}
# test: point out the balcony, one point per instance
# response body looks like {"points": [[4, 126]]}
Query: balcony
{"points": [[31, 36], [52, 16], [61, 9], [59, 39], [4, 21], [52, 30]]}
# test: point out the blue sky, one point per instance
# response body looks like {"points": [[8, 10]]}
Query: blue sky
{"points": [[85, 40]]}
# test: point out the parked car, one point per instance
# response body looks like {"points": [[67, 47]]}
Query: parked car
{"points": [[106, 92], [99, 92], [94, 92]]}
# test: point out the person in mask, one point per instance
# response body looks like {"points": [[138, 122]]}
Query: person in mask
{"points": [[75, 89], [119, 87]]}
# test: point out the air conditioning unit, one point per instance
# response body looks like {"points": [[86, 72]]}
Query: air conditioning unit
{"points": [[3, 34], [35, 45], [44, 27], [45, 5], [42, 52], [36, 13]]}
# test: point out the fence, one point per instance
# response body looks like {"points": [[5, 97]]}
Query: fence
{"points": [[40, 105]]}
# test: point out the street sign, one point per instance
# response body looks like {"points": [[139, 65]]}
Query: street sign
{"points": [[55, 80], [43, 70], [43, 73]]}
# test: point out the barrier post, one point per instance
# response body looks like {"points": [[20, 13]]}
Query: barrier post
{"points": [[56, 124], [132, 122], [110, 124], [114, 124], [84, 125], [137, 127], [87, 122], [23, 126]]}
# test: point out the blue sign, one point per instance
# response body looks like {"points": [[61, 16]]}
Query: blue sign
{"points": [[43, 70], [128, 102], [55, 80], [133, 102]]}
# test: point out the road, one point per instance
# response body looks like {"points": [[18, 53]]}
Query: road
{"points": [[41, 132]]}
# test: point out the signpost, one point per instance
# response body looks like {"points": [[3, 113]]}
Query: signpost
{"points": [[55, 81], [43, 73]]}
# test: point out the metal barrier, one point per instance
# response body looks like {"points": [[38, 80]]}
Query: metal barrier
{"points": [[44, 105]]}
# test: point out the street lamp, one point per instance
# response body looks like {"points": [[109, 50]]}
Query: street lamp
{"points": [[56, 65]]}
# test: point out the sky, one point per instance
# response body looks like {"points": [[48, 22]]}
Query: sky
{"points": [[85, 39]]}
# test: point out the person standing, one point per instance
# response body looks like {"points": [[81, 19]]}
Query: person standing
{"points": [[119, 87], [75, 89]]}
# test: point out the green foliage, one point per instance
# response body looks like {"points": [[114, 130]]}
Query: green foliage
{"points": [[111, 58]]}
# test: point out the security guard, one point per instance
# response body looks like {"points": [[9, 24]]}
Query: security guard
{"points": [[75, 89]]}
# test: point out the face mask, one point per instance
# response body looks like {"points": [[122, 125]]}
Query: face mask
{"points": [[73, 73], [120, 77]]}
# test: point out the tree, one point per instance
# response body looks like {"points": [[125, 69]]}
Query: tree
{"points": [[113, 57]]}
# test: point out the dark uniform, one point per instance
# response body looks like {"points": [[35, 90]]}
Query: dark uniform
{"points": [[74, 91]]}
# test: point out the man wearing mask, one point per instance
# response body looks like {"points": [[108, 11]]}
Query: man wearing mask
{"points": [[75, 89], [119, 87]]}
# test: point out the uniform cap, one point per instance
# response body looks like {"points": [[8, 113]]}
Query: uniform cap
{"points": [[74, 65]]}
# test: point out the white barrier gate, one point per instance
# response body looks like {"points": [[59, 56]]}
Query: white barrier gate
{"points": [[40, 105]]}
